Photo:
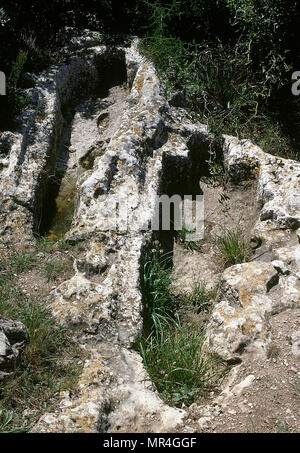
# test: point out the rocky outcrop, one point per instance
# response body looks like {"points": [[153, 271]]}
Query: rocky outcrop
{"points": [[29, 155], [13, 337], [251, 292], [102, 303], [105, 314]]}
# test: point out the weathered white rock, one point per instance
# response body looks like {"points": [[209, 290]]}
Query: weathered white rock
{"points": [[251, 292], [13, 336], [108, 314]]}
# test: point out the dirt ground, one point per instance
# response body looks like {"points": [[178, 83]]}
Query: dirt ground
{"points": [[259, 396]]}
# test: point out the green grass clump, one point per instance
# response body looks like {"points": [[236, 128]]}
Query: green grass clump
{"points": [[177, 364], [49, 361], [52, 269], [233, 247], [17, 263], [45, 244], [202, 298], [183, 238], [157, 282], [172, 351], [6, 419]]}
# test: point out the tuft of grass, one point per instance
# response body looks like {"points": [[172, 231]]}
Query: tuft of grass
{"points": [[156, 286], [233, 247], [183, 238], [45, 244], [52, 269], [6, 418], [17, 263], [177, 365], [51, 243], [273, 351], [202, 298], [173, 353]]}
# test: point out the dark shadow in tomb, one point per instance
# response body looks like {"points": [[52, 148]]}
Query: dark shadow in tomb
{"points": [[180, 176], [112, 71], [53, 175]]}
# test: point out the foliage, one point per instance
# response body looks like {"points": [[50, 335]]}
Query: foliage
{"points": [[173, 352], [53, 269], [233, 247], [50, 359], [17, 262], [156, 287], [183, 236], [6, 418], [232, 58], [202, 298], [229, 83], [177, 364]]}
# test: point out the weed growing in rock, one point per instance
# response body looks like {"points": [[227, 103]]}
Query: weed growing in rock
{"points": [[53, 268], [177, 364], [6, 419], [233, 247], [202, 298], [159, 301], [18, 262], [49, 244]]}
